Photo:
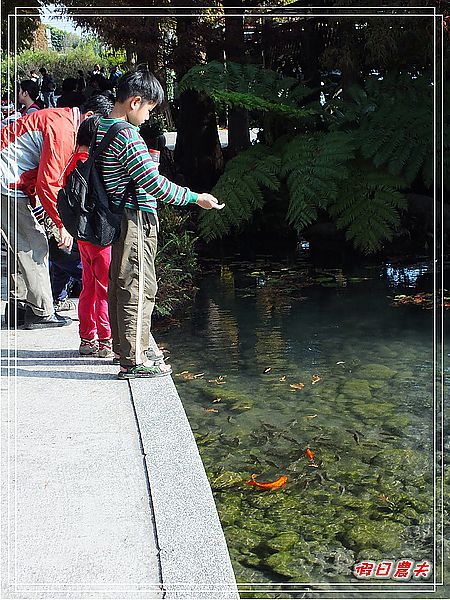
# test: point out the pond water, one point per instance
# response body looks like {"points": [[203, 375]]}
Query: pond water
{"points": [[274, 361]]}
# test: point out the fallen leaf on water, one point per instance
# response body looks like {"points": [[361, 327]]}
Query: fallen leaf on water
{"points": [[341, 362], [297, 386], [310, 416], [218, 381], [217, 400], [283, 378], [198, 375], [186, 375], [315, 379], [267, 369], [211, 410]]}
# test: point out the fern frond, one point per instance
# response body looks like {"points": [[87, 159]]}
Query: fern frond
{"points": [[314, 165], [367, 207], [241, 187], [248, 86]]}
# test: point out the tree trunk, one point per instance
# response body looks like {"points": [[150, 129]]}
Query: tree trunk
{"points": [[198, 153], [238, 121]]}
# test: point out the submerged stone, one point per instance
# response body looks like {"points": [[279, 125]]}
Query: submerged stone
{"points": [[357, 388], [226, 480], [386, 536], [288, 565], [284, 541], [375, 371], [241, 539]]}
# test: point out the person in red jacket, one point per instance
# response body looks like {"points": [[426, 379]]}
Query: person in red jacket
{"points": [[95, 330], [34, 152]]}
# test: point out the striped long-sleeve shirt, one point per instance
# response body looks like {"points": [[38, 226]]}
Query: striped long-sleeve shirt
{"points": [[128, 158]]}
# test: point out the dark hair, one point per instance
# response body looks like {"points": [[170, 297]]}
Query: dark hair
{"points": [[30, 86], [140, 83], [99, 104], [80, 72], [69, 84], [43, 70], [109, 94], [86, 130]]}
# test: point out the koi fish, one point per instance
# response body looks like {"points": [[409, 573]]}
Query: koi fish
{"points": [[269, 485], [309, 454]]}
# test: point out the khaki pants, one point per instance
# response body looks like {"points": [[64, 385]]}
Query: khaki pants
{"points": [[28, 256], [132, 287]]}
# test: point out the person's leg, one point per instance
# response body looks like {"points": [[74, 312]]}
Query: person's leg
{"points": [[128, 290], [137, 249], [65, 268], [45, 96], [150, 283], [52, 100], [86, 302], [101, 259], [113, 276], [60, 281], [28, 248]]}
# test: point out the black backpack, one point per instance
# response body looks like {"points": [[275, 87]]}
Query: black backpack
{"points": [[83, 204]]}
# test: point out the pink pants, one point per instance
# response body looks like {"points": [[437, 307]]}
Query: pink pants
{"points": [[93, 303]]}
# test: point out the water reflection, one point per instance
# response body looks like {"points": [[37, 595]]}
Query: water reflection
{"points": [[368, 419], [404, 276]]}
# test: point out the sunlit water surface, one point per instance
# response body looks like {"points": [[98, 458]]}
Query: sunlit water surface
{"points": [[257, 330]]}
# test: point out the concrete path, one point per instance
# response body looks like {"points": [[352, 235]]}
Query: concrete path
{"points": [[84, 457]]}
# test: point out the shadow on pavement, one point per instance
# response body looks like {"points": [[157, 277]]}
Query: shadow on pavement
{"points": [[43, 374]]}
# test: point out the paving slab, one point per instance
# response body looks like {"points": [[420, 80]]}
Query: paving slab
{"points": [[106, 495], [78, 518]]}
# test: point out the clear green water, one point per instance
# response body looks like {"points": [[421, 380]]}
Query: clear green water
{"points": [[368, 421]]}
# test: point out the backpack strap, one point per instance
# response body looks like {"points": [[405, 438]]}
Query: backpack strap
{"points": [[106, 141]]}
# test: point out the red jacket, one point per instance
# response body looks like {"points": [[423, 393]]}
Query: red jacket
{"points": [[34, 153]]}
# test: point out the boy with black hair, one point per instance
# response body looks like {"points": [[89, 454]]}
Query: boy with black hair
{"points": [[27, 95], [127, 167], [34, 151]]}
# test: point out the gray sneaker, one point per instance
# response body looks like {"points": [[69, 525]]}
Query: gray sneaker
{"points": [[64, 305], [105, 349]]}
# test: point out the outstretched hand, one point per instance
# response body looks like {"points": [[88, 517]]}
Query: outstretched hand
{"points": [[208, 201]]}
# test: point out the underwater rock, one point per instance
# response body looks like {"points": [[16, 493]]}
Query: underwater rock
{"points": [[226, 480], [374, 371], [374, 410], [284, 541], [228, 514], [288, 565], [233, 400], [386, 536], [357, 389], [241, 539]]}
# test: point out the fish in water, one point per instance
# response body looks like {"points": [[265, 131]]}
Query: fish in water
{"points": [[309, 454], [268, 485]]}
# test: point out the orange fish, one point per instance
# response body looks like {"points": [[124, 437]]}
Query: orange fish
{"points": [[269, 485], [309, 454]]}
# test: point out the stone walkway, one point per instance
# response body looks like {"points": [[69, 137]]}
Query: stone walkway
{"points": [[105, 495]]}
